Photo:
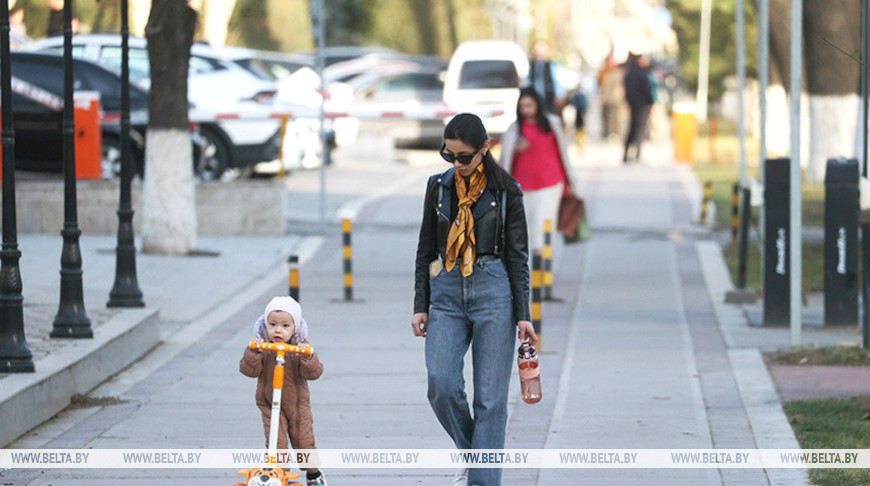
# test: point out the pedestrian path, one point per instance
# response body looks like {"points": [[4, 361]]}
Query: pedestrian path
{"points": [[634, 356]]}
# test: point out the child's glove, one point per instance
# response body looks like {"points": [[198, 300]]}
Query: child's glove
{"points": [[303, 349]]}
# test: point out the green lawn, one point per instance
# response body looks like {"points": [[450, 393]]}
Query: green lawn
{"points": [[832, 424]]}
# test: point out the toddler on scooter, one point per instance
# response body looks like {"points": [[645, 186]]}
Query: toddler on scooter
{"points": [[282, 322]]}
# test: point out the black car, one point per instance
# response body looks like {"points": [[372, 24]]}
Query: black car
{"points": [[37, 101]]}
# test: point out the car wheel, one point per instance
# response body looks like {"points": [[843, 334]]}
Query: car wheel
{"points": [[111, 155], [214, 158]]}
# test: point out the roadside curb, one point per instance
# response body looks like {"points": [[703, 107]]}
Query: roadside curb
{"points": [[770, 426], [29, 399]]}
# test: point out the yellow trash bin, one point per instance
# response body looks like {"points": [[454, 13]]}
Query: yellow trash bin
{"points": [[685, 132]]}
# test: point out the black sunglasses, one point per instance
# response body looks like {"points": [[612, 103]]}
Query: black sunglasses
{"points": [[463, 159]]}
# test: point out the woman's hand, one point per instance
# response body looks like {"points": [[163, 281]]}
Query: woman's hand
{"points": [[569, 190], [526, 330], [521, 146], [419, 322]]}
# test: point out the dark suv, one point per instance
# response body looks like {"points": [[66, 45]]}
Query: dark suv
{"points": [[37, 101]]}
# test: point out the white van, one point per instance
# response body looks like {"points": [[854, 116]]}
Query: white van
{"points": [[486, 75]]}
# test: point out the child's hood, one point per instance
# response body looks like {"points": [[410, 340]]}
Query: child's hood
{"points": [[288, 305]]}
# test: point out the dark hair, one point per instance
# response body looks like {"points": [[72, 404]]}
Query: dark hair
{"points": [[469, 129], [540, 116]]}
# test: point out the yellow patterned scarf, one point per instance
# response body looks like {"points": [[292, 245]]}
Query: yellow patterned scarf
{"points": [[460, 239]]}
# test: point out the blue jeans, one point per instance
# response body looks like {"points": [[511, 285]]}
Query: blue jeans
{"points": [[474, 310]]}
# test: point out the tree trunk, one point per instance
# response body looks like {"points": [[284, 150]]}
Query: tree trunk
{"points": [[427, 36], [169, 207], [833, 79]]}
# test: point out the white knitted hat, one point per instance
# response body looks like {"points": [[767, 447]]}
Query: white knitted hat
{"points": [[290, 306]]}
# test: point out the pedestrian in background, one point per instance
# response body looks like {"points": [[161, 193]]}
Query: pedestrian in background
{"points": [[611, 95], [16, 22], [471, 288], [55, 19], [639, 94], [542, 77], [282, 322], [535, 152], [581, 105]]}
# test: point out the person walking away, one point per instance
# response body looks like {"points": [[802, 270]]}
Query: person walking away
{"points": [[612, 98], [282, 322], [610, 64], [542, 77], [471, 287], [581, 105], [535, 152], [638, 93]]}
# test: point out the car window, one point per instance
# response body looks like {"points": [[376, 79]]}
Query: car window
{"points": [[202, 65], [48, 76], [139, 67], [77, 51], [256, 67], [281, 70], [109, 85], [490, 74], [404, 83]]}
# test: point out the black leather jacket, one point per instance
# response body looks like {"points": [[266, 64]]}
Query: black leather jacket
{"points": [[508, 240]]}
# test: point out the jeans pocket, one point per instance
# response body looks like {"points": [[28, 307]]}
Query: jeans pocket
{"points": [[495, 268]]}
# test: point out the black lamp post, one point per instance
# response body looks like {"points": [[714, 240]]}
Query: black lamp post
{"points": [[15, 355], [71, 321], [125, 292], [865, 227]]}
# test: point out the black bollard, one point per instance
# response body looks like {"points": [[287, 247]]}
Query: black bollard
{"points": [[841, 242], [777, 285]]}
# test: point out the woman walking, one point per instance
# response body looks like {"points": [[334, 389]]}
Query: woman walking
{"points": [[534, 151], [471, 288]]}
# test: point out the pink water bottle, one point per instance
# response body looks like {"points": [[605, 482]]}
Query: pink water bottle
{"points": [[530, 374]]}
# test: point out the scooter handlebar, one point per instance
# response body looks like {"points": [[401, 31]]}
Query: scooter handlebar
{"points": [[287, 348]]}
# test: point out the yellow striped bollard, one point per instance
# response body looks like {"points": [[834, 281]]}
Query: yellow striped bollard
{"points": [[346, 228], [735, 212], [705, 203], [283, 133], [536, 295], [293, 277], [547, 260]]}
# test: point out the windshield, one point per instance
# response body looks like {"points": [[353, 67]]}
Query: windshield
{"points": [[493, 74]]}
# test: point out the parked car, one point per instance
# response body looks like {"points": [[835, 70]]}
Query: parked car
{"points": [[486, 75], [396, 92], [379, 62], [215, 85], [38, 116], [336, 54], [269, 65]]}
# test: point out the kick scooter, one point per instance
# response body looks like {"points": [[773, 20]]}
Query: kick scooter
{"points": [[268, 476]]}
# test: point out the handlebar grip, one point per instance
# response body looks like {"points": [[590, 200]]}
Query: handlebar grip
{"points": [[287, 348]]}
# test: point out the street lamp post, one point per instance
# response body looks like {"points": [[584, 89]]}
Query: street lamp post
{"points": [[15, 355], [125, 292], [71, 321]]}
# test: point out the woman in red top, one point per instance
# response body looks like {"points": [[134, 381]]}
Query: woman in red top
{"points": [[534, 151]]}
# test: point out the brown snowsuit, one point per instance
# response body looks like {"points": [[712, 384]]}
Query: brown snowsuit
{"points": [[296, 418]]}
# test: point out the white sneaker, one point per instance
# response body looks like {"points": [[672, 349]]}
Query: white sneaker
{"points": [[461, 477]]}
